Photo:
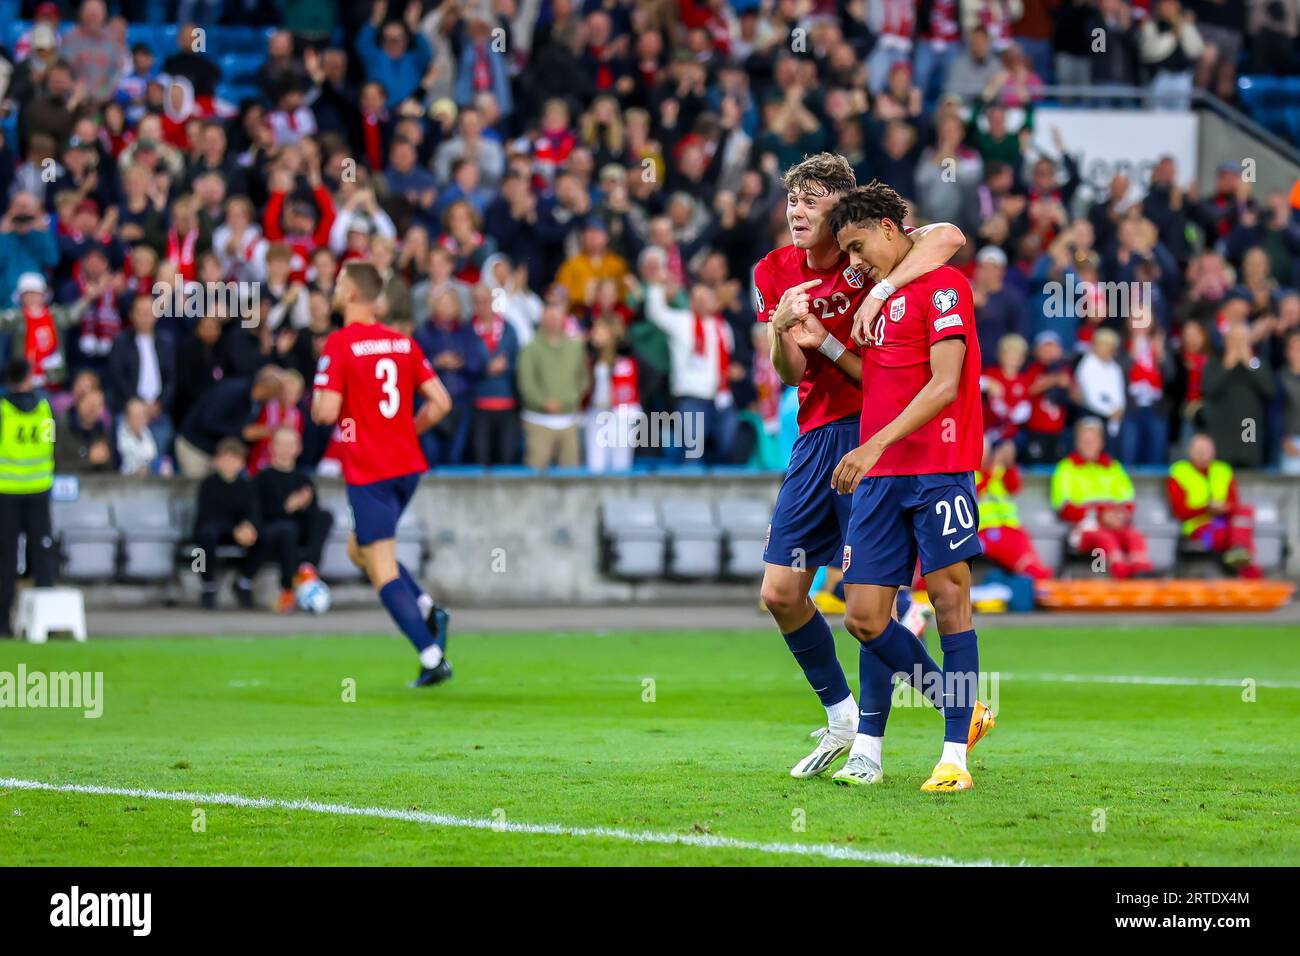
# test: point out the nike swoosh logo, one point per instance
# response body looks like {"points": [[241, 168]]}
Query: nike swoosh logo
{"points": [[872, 713], [954, 545]]}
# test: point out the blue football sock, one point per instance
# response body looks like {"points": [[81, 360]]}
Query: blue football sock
{"points": [[961, 668], [401, 606], [904, 654], [875, 692], [408, 579], [813, 646]]}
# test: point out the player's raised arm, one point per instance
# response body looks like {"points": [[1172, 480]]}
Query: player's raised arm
{"points": [[946, 358], [437, 405], [932, 246]]}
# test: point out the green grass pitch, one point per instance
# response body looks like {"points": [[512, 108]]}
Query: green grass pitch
{"points": [[560, 729]]}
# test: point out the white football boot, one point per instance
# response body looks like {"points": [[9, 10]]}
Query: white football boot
{"points": [[830, 748]]}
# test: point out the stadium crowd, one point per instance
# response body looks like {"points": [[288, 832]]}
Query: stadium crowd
{"points": [[567, 201]]}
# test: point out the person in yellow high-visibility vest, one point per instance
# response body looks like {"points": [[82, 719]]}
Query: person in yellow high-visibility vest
{"points": [[1203, 496], [1005, 543], [26, 474], [1092, 492]]}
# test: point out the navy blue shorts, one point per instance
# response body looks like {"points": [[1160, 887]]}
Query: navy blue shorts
{"points": [[376, 507], [809, 520], [897, 517]]}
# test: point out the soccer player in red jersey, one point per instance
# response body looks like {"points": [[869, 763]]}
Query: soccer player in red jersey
{"points": [[809, 294], [366, 382], [912, 476]]}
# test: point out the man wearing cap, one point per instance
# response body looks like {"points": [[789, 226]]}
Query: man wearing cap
{"points": [[26, 474], [45, 27], [1050, 378], [999, 310]]}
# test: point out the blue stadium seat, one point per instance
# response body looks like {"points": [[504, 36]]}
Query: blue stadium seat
{"points": [[236, 39], [240, 68], [236, 93]]}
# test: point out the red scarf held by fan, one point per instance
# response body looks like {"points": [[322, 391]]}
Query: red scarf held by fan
{"points": [[713, 325], [181, 251], [490, 330]]}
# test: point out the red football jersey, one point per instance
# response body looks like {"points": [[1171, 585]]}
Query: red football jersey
{"points": [[896, 366], [826, 394], [378, 372]]}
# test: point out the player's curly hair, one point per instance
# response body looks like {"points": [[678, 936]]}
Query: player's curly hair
{"points": [[822, 173], [868, 205]]}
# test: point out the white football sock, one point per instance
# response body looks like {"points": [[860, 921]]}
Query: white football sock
{"points": [[425, 604], [842, 716], [954, 752], [431, 656], [868, 746]]}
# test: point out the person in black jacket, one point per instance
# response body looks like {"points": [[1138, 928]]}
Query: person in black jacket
{"points": [[140, 365], [294, 525], [227, 515], [198, 67], [224, 411]]}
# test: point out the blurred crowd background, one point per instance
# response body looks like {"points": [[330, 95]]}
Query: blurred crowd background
{"points": [[518, 168]]}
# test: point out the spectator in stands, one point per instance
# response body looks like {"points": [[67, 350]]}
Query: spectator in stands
{"points": [[553, 377], [1171, 48], [974, 66], [136, 447], [1093, 494], [615, 407], [227, 515], [83, 441], [140, 366], [394, 54], [1050, 382], [1144, 433], [1006, 390], [280, 412], [96, 50], [1116, 63], [26, 243], [192, 62], [1203, 495], [1237, 388], [223, 411], [1006, 544], [1220, 25], [1099, 385], [1289, 383], [999, 309], [459, 358], [700, 344], [495, 432], [582, 272], [293, 526]]}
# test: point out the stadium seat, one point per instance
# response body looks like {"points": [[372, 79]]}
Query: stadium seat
{"points": [[149, 540], [694, 539], [86, 538], [1270, 535], [1151, 516], [743, 523], [632, 541], [1044, 529], [240, 68]]}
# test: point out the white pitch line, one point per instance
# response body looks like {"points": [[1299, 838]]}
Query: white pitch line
{"points": [[703, 840], [1143, 679]]}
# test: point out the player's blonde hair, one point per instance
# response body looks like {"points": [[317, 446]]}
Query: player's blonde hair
{"points": [[821, 174]]}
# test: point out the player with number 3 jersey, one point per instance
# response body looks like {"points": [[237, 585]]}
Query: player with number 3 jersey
{"points": [[366, 383]]}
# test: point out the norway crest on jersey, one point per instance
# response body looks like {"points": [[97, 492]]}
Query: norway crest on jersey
{"points": [[853, 277], [848, 557], [896, 309]]}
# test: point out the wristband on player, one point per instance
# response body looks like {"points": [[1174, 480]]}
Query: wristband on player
{"points": [[831, 347], [882, 290]]}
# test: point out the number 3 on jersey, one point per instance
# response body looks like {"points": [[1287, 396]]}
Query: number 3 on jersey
{"points": [[386, 369]]}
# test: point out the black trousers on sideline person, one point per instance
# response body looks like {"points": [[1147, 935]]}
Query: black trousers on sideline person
{"points": [[212, 535], [291, 541], [29, 515]]}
